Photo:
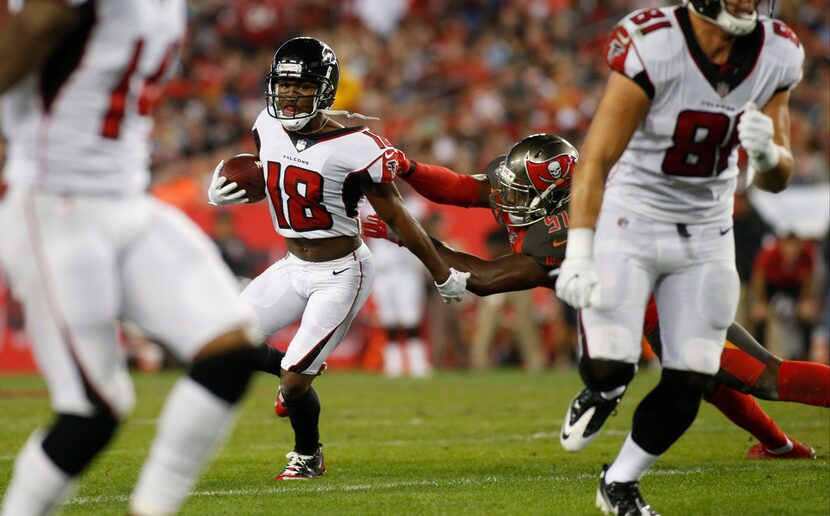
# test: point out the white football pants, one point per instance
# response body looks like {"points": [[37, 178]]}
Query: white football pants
{"points": [[691, 270], [326, 295]]}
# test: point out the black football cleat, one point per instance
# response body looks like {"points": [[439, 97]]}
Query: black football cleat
{"points": [[586, 415], [303, 467], [622, 498]]}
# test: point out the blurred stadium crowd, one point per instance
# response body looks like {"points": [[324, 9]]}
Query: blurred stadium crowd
{"points": [[450, 80], [455, 82]]}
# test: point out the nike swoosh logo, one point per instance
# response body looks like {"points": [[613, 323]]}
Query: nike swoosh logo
{"points": [[388, 154], [567, 427], [339, 272], [557, 243], [725, 231]]}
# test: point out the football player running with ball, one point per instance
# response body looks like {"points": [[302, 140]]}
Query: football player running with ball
{"points": [[317, 173], [651, 210], [84, 245], [528, 191]]}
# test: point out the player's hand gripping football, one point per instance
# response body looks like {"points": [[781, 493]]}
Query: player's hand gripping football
{"points": [[220, 194], [755, 132], [453, 288], [373, 227], [578, 284]]}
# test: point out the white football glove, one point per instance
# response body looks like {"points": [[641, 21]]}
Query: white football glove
{"points": [[755, 132], [453, 289], [578, 284], [220, 194]]}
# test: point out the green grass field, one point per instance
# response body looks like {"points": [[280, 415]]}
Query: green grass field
{"points": [[475, 443]]}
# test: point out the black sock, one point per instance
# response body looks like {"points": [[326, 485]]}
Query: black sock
{"points": [[304, 413], [73, 441], [668, 410], [268, 359], [605, 375], [228, 374]]}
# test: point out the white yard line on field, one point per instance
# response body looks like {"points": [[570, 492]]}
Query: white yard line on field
{"points": [[328, 488]]}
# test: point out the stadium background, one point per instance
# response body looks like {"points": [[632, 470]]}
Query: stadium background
{"points": [[454, 82]]}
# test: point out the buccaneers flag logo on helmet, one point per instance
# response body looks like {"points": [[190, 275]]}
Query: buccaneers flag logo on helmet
{"points": [[555, 171]]}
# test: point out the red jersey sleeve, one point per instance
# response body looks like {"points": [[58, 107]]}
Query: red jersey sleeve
{"points": [[444, 186]]}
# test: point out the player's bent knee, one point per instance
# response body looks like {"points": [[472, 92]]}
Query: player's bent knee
{"points": [[73, 441], [605, 375], [696, 355], [228, 374], [681, 383], [295, 385], [717, 294], [239, 338]]}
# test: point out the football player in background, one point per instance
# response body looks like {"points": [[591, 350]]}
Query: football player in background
{"points": [[317, 174], [688, 85], [528, 192], [84, 245], [400, 295]]}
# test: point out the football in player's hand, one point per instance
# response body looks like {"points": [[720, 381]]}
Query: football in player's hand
{"points": [[246, 171]]}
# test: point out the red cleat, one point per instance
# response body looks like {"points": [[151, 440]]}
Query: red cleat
{"points": [[799, 451], [279, 404], [279, 409]]}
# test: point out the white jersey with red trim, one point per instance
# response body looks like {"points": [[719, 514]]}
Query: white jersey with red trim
{"points": [[313, 181], [81, 123], [681, 163]]}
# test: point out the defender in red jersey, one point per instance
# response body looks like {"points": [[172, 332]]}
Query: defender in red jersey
{"points": [[538, 238]]}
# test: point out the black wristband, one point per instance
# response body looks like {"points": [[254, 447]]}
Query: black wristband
{"points": [[411, 170]]}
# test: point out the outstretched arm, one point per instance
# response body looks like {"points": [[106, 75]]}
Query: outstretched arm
{"points": [[505, 274], [388, 203], [444, 186]]}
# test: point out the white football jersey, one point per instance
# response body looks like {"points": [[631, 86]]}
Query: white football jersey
{"points": [[81, 123], [681, 163], [313, 181]]}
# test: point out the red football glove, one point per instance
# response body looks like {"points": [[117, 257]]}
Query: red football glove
{"points": [[373, 227]]}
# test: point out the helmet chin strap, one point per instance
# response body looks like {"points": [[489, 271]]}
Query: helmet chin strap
{"points": [[731, 24], [295, 124], [736, 25]]}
